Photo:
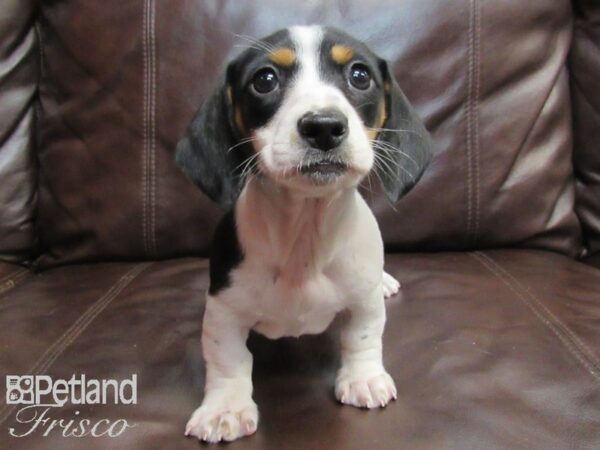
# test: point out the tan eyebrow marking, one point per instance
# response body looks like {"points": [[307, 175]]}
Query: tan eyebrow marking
{"points": [[341, 54], [283, 56]]}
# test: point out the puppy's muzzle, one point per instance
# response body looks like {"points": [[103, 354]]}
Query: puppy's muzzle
{"points": [[324, 130]]}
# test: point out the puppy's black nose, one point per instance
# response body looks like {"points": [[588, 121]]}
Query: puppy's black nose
{"points": [[325, 129]]}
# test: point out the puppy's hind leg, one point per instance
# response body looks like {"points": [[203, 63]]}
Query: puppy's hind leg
{"points": [[227, 411], [391, 286]]}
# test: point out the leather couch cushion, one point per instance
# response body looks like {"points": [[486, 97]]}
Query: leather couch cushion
{"points": [[585, 73], [493, 350], [122, 80], [19, 57]]}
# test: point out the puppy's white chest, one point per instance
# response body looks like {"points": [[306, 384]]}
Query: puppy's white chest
{"points": [[294, 308], [305, 259]]}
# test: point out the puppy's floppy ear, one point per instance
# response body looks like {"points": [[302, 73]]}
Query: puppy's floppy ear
{"points": [[205, 153], [405, 147]]}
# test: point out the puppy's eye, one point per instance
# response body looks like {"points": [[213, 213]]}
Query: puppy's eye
{"points": [[360, 77], [265, 81]]}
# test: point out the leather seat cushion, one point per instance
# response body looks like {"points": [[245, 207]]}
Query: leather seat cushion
{"points": [[494, 350]]}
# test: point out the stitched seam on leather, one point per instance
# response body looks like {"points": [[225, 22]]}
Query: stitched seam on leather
{"points": [[145, 128], [152, 42], [570, 341], [571, 347], [472, 137], [12, 274], [75, 330], [475, 115], [149, 138], [12, 280], [585, 348], [468, 124]]}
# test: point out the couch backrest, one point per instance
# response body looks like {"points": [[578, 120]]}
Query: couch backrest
{"points": [[19, 58], [121, 79], [585, 88]]}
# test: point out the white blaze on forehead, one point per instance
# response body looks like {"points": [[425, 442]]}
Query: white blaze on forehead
{"points": [[310, 91], [307, 41]]}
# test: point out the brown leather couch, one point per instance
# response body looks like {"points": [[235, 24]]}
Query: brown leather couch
{"points": [[494, 341]]}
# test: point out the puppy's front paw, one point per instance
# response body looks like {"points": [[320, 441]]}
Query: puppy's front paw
{"points": [[391, 286], [223, 421], [365, 391]]}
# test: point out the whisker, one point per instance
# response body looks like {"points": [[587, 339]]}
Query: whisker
{"points": [[369, 181], [252, 40], [402, 120], [379, 167], [395, 130], [387, 156], [246, 161], [381, 181], [365, 104], [250, 167], [386, 168], [248, 46], [396, 164], [383, 167], [390, 163], [242, 142], [390, 158], [330, 202], [384, 146]]}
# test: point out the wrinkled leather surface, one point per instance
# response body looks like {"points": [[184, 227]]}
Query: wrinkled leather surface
{"points": [[488, 351], [585, 87], [123, 78], [19, 58]]}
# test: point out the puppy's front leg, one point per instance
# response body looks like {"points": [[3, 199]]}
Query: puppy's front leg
{"points": [[362, 380], [227, 411]]}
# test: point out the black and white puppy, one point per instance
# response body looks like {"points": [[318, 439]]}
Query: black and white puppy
{"points": [[299, 120]]}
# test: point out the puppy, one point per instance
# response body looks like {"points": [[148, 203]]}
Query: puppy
{"points": [[298, 121]]}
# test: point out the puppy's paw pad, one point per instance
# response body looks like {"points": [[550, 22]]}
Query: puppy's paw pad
{"points": [[391, 286], [366, 392], [212, 423]]}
